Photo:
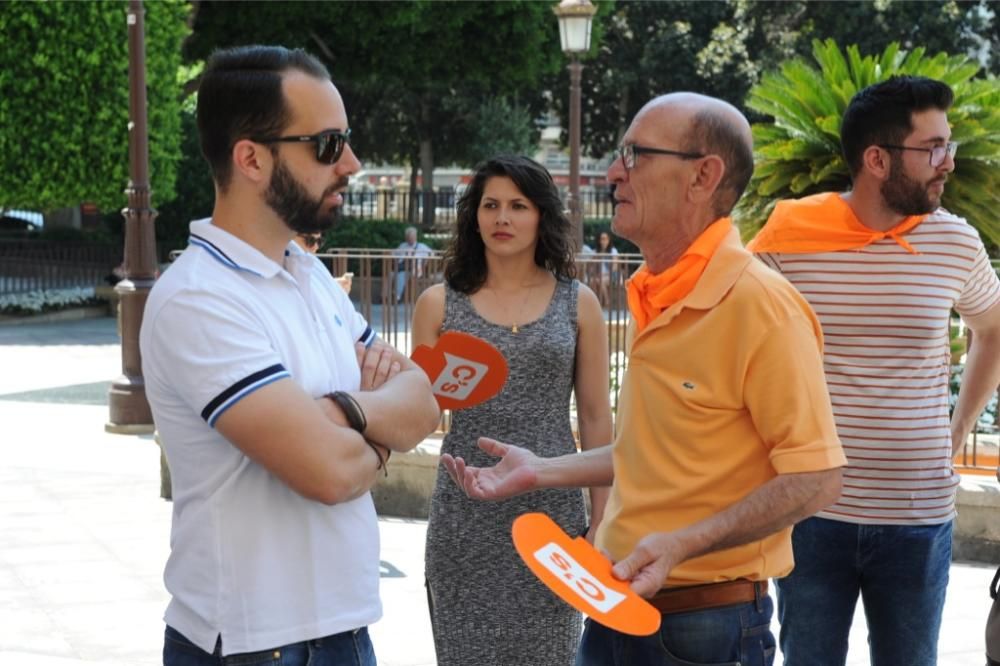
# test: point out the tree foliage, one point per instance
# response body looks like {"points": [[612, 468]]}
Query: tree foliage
{"points": [[722, 48], [64, 101], [412, 74], [797, 151], [499, 127], [195, 190]]}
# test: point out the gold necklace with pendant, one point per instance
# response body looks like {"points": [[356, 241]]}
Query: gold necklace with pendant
{"points": [[520, 313]]}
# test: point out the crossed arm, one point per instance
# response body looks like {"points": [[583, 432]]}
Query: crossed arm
{"points": [[307, 443]]}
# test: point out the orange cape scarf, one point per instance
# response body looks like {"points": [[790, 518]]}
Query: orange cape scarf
{"points": [[649, 295], [822, 223]]}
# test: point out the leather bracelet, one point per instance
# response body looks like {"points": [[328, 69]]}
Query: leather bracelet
{"points": [[382, 462], [356, 419], [352, 411]]}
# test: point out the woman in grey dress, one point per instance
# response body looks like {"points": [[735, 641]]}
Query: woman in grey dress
{"points": [[509, 279]]}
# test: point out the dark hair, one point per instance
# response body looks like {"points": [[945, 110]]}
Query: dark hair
{"points": [[240, 96], [465, 258], [715, 135], [597, 241], [881, 114]]}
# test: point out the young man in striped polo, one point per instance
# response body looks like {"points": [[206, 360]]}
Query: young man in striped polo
{"points": [[883, 265], [276, 407]]}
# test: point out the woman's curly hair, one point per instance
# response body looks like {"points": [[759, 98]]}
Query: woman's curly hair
{"points": [[465, 258]]}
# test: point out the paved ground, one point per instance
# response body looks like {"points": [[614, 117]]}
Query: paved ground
{"points": [[84, 535]]}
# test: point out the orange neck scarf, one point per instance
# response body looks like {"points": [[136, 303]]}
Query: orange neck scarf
{"points": [[649, 295], [823, 223]]}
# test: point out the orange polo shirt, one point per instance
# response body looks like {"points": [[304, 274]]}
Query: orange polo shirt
{"points": [[724, 390]]}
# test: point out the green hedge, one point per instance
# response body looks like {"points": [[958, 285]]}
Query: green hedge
{"points": [[367, 233]]}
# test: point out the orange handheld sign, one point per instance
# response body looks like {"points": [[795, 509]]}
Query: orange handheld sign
{"points": [[464, 370], [581, 576]]}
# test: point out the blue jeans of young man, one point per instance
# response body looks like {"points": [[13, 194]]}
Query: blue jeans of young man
{"points": [[350, 648], [901, 573], [726, 636]]}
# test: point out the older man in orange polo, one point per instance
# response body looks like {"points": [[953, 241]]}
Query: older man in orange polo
{"points": [[725, 436]]}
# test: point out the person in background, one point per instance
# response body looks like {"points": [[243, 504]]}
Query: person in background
{"points": [[607, 270], [410, 258], [311, 242]]}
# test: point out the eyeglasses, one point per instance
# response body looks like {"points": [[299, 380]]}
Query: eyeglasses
{"points": [[630, 151], [329, 144], [937, 153], [311, 240]]}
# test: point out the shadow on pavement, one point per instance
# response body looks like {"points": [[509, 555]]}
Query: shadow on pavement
{"points": [[86, 332]]}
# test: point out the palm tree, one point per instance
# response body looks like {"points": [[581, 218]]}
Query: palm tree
{"points": [[797, 152]]}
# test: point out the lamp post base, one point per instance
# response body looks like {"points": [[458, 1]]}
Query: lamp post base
{"points": [[115, 429], [128, 408], [129, 412]]}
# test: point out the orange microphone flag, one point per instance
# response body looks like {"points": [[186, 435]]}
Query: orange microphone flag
{"points": [[581, 576], [464, 370]]}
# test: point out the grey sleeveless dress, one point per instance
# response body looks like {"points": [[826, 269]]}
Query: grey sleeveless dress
{"points": [[487, 608]]}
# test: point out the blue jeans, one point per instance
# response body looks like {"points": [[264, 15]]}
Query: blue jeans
{"points": [[901, 573], [726, 636], [350, 648]]}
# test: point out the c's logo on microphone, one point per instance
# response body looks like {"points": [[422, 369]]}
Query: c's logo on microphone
{"points": [[464, 370]]}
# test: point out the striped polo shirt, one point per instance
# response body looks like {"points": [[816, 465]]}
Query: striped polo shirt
{"points": [[251, 560], [886, 314]]}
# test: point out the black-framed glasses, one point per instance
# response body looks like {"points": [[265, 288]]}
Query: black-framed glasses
{"points": [[630, 151], [936, 154], [329, 144]]}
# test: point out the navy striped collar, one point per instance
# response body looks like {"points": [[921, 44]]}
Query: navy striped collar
{"points": [[231, 251]]}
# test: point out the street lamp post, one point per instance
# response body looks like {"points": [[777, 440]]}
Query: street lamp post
{"points": [[575, 17], [128, 408]]}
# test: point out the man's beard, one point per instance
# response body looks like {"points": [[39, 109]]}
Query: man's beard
{"points": [[907, 196], [290, 201]]}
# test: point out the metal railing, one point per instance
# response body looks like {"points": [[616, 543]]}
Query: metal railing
{"points": [[390, 204], [379, 273], [38, 265]]}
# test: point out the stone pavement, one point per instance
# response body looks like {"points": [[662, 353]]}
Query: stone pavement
{"points": [[84, 535]]}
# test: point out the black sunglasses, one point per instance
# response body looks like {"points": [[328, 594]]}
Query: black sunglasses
{"points": [[329, 144], [311, 240]]}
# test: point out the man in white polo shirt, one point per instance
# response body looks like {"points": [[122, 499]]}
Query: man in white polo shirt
{"points": [[276, 412], [883, 265]]}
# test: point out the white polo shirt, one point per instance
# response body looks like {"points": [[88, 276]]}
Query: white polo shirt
{"points": [[251, 559]]}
